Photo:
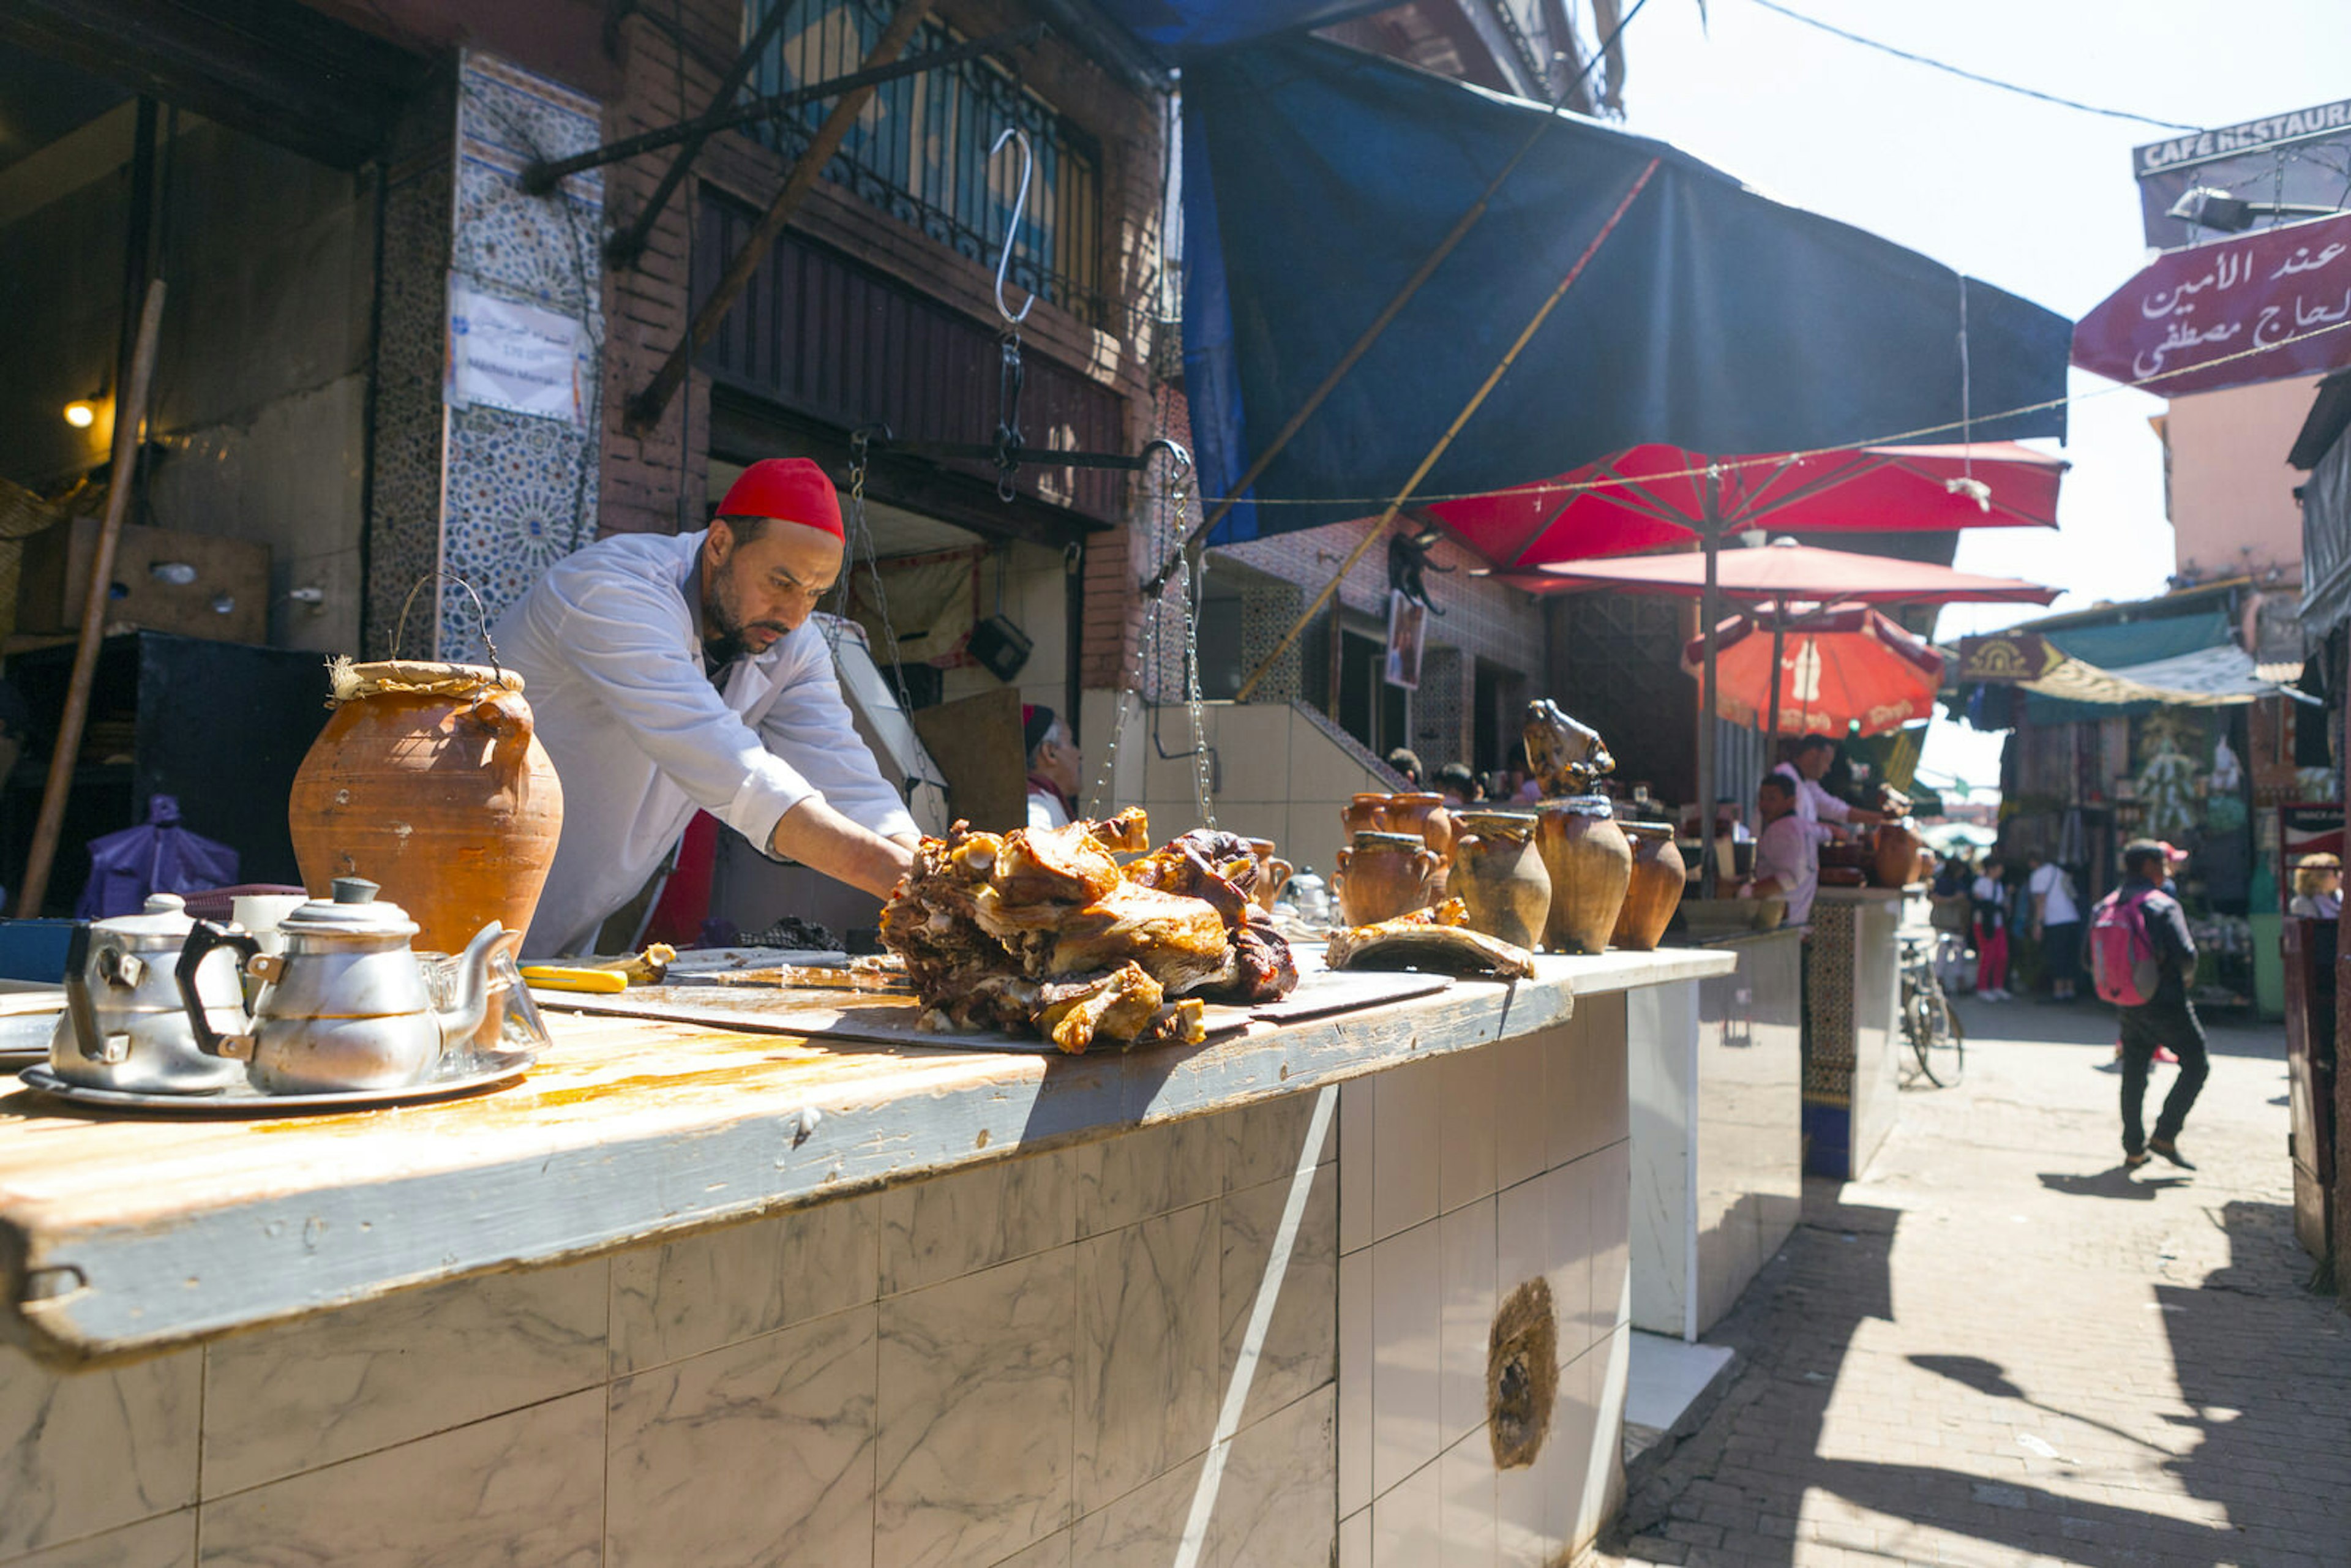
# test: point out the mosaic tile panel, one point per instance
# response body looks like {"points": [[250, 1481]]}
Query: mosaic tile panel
{"points": [[1829, 1054], [520, 491]]}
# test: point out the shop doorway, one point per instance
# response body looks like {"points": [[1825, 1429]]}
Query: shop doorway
{"points": [[1499, 697], [1372, 711]]}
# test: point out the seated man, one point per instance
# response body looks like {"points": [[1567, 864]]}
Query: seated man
{"points": [[1052, 767], [1788, 854]]}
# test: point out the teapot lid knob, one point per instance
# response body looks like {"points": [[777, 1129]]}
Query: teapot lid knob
{"points": [[356, 890], [165, 903]]}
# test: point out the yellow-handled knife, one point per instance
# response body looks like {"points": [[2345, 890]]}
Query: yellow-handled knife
{"points": [[559, 978]]}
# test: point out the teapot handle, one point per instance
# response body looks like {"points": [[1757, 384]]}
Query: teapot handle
{"points": [[200, 945]]}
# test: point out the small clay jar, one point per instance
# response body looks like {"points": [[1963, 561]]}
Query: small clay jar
{"points": [[1893, 858], [1383, 875], [1365, 814], [1422, 812], [1273, 873], [1655, 889], [1498, 874], [1591, 865]]}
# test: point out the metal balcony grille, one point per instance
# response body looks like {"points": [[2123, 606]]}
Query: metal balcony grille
{"points": [[919, 152]]}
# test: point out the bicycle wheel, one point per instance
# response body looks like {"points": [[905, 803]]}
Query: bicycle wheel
{"points": [[1919, 1028], [1946, 1044]]}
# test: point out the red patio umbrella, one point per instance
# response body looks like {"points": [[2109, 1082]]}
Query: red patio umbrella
{"points": [[1657, 494], [1820, 673], [1785, 571]]}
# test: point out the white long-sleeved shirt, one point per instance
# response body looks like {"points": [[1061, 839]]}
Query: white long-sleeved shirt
{"points": [[612, 669], [1813, 803]]}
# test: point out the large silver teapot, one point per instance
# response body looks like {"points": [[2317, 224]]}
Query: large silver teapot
{"points": [[346, 1006], [126, 1025]]}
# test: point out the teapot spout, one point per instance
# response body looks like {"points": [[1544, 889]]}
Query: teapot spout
{"points": [[471, 1003]]}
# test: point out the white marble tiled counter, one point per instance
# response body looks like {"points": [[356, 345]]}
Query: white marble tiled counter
{"points": [[981, 1308]]}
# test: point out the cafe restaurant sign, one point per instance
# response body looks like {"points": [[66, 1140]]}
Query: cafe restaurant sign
{"points": [[2253, 308], [2005, 658]]}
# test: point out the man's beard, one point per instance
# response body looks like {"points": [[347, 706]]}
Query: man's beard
{"points": [[726, 638]]}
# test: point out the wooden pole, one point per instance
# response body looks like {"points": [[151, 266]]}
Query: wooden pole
{"points": [[646, 408], [130, 414], [1779, 652], [1709, 607]]}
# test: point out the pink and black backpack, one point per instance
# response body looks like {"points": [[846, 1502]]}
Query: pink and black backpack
{"points": [[2122, 961]]}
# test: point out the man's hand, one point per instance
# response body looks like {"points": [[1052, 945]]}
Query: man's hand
{"points": [[822, 839]]}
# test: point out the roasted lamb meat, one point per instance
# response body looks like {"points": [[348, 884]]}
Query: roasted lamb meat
{"points": [[1433, 938], [1042, 930]]}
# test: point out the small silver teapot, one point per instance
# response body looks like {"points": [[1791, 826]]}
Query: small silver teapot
{"points": [[346, 1006], [127, 1026]]}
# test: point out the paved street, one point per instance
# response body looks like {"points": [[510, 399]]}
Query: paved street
{"points": [[1998, 1349]]}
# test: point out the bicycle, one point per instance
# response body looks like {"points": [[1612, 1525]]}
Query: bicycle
{"points": [[1929, 1020]]}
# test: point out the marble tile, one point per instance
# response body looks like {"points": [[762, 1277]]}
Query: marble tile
{"points": [[1522, 1110], [1467, 1117], [1406, 1278], [1053, 1552], [1147, 1352], [1604, 1023], [1358, 1101], [977, 1415], [1522, 1236], [1300, 1351], [1354, 1382], [1274, 1505], [1570, 1082], [1575, 1437], [1608, 1367], [1133, 1176], [526, 1487], [1404, 1163], [1409, 1521], [721, 1287], [168, 1542], [1525, 1501], [937, 1230], [1465, 1479], [86, 1451], [794, 1407], [1568, 1195], [1612, 1201], [1355, 1540], [1467, 1279], [1144, 1529], [390, 1371], [1261, 1142]]}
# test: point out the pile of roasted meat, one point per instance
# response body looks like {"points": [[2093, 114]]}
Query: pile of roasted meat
{"points": [[1042, 931]]}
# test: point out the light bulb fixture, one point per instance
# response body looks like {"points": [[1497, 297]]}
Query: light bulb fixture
{"points": [[81, 414]]}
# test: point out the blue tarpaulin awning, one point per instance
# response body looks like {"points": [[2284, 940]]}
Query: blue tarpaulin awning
{"points": [[1317, 178], [1175, 29]]}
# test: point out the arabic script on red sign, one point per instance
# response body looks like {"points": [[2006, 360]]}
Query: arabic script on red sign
{"points": [[2190, 319]]}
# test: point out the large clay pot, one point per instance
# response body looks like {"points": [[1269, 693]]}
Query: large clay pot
{"points": [[1273, 873], [1894, 859], [1365, 814], [1422, 812], [1383, 875], [1656, 889], [428, 781], [1591, 865], [1498, 874]]}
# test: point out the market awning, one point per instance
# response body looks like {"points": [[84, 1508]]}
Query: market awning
{"points": [[1784, 572], [1178, 29], [2210, 677], [1317, 179]]}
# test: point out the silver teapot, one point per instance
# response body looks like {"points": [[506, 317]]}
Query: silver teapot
{"points": [[346, 1005], [126, 1025]]}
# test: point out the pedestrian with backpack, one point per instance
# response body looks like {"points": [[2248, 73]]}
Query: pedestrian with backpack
{"points": [[2141, 957]]}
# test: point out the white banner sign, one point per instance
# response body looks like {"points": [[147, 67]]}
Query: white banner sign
{"points": [[512, 356]]}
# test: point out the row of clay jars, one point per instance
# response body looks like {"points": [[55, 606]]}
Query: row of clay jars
{"points": [[1383, 875]]}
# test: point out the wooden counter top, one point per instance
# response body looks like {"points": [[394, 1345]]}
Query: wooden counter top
{"points": [[125, 1234]]}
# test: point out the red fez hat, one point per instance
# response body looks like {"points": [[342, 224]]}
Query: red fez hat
{"points": [[789, 489]]}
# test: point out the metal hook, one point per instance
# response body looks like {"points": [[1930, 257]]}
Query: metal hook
{"points": [[1013, 230]]}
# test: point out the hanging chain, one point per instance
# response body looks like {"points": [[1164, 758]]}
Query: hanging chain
{"points": [[1147, 654], [1203, 779], [864, 536]]}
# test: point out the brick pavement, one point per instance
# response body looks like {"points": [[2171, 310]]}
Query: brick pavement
{"points": [[1998, 1349]]}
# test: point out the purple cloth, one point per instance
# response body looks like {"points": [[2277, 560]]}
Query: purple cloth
{"points": [[160, 857]]}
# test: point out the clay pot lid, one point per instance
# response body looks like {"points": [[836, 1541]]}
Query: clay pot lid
{"points": [[418, 676], [1369, 840], [1660, 831], [1581, 805]]}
